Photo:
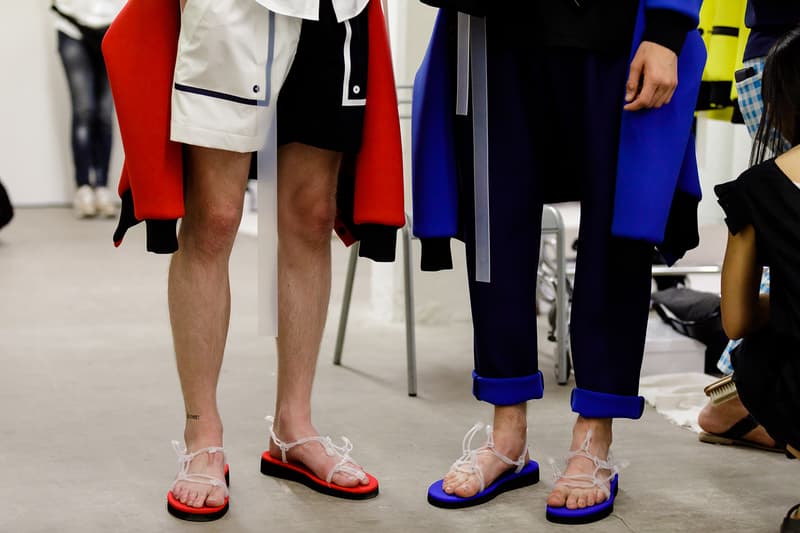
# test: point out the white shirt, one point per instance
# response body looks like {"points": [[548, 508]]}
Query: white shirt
{"points": [[309, 9], [90, 13]]}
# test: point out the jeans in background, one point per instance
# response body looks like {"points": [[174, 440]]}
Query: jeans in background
{"points": [[92, 105]]}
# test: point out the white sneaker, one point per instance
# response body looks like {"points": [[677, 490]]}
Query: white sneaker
{"points": [[84, 203], [104, 201]]}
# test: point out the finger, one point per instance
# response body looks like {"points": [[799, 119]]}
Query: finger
{"points": [[645, 98], [634, 79], [671, 94], [660, 96]]}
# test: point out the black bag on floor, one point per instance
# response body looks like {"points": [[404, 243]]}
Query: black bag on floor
{"points": [[696, 315], [6, 209]]}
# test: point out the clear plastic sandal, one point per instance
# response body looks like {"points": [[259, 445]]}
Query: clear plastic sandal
{"points": [[197, 514], [293, 471]]}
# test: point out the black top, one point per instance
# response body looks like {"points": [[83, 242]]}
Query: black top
{"points": [[768, 20], [595, 25], [767, 199]]}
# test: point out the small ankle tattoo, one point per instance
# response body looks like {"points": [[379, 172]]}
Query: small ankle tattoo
{"points": [[192, 417]]}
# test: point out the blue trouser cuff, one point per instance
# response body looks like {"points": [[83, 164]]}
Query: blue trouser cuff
{"points": [[591, 404], [508, 391]]}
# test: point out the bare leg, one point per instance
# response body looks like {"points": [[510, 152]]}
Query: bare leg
{"points": [[579, 498], [307, 180], [510, 438], [199, 302]]}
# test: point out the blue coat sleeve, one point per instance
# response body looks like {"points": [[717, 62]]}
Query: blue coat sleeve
{"points": [[434, 174], [653, 154]]}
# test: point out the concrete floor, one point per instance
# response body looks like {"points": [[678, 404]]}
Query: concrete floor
{"points": [[90, 401]]}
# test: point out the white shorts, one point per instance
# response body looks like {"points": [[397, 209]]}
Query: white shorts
{"points": [[226, 89]]}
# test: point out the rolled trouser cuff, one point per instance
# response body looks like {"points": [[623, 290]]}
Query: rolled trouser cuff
{"points": [[590, 404], [508, 391]]}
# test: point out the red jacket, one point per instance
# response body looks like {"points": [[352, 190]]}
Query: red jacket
{"points": [[140, 49]]}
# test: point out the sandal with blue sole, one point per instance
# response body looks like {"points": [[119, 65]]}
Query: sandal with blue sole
{"points": [[609, 484], [524, 474]]}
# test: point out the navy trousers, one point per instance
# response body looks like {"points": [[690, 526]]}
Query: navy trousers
{"points": [[554, 119]]}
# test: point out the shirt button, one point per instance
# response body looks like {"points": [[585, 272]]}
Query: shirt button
{"points": [[256, 88], [356, 89]]}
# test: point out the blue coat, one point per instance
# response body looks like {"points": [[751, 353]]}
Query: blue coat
{"points": [[657, 180]]}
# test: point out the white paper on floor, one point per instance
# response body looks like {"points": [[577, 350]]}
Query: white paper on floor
{"points": [[678, 397]]}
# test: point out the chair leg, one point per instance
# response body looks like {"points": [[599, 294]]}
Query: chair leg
{"points": [[411, 345], [562, 305], [348, 293]]}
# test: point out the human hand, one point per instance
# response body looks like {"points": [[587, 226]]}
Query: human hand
{"points": [[653, 77]]}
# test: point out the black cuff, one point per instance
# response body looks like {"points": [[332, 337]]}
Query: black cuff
{"points": [[162, 236], [436, 254], [667, 28], [479, 8], [377, 242]]}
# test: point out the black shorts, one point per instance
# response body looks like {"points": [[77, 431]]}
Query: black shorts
{"points": [[322, 101]]}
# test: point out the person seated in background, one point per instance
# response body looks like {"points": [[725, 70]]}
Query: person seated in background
{"points": [[725, 420], [763, 217]]}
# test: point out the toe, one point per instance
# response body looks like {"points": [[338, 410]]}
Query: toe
{"points": [[557, 498], [467, 489], [600, 496], [216, 497], [581, 502], [572, 500], [591, 499], [344, 480], [191, 498]]}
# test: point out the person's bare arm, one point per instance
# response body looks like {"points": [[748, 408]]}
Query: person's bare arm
{"points": [[183, 4], [653, 77], [743, 310]]}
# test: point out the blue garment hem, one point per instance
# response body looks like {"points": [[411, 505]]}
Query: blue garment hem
{"points": [[508, 391], [590, 404]]}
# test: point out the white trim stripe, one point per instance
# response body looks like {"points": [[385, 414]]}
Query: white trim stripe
{"points": [[346, 100]]}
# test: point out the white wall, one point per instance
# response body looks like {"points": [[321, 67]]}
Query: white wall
{"points": [[35, 157]]}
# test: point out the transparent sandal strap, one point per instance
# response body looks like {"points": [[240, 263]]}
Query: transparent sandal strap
{"points": [[601, 482], [330, 448], [467, 463], [519, 463], [286, 446], [184, 460]]}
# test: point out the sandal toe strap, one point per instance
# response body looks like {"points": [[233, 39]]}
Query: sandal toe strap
{"points": [[346, 463]]}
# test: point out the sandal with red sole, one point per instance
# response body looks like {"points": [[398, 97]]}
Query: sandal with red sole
{"points": [[295, 471], [187, 512]]}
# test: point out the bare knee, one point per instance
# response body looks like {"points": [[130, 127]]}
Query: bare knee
{"points": [[210, 232], [308, 217]]}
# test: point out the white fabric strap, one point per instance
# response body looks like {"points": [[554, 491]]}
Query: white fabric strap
{"points": [[593, 480], [185, 459], [468, 462], [345, 464]]}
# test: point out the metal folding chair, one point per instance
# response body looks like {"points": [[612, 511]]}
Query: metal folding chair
{"points": [[408, 290]]}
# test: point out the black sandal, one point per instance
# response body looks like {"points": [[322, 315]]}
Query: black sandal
{"points": [[735, 436], [791, 525]]}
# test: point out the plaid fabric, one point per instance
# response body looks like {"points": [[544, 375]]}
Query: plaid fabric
{"points": [[749, 94], [724, 363], [751, 104]]}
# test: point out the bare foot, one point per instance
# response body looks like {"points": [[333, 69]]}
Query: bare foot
{"points": [[579, 494], [718, 419], [508, 438], [318, 457], [208, 464]]}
